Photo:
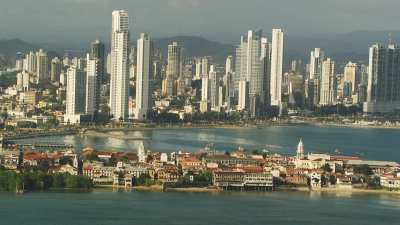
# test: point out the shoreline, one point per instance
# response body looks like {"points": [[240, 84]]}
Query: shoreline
{"points": [[282, 189]]}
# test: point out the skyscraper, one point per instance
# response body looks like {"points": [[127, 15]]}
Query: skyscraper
{"points": [[214, 81], [316, 58], [328, 91], [144, 71], [174, 68], [383, 91], [31, 63], [266, 71], [42, 68], [92, 85], [97, 51], [249, 66], [75, 99], [352, 76], [55, 71], [119, 90], [276, 67]]}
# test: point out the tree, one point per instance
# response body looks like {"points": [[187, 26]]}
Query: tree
{"points": [[64, 160], [144, 179], [327, 168], [44, 165], [363, 169]]}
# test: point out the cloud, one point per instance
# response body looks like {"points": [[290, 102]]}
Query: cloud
{"points": [[186, 3]]}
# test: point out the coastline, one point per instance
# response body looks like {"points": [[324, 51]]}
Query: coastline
{"points": [[283, 189], [337, 190], [159, 188]]}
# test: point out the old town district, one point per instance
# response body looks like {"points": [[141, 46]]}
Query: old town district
{"points": [[212, 170]]}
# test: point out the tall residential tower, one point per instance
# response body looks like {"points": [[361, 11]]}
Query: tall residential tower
{"points": [[119, 90]]}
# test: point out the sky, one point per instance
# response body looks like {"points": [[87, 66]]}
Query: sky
{"points": [[221, 20]]}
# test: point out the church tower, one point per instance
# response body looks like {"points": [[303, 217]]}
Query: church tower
{"points": [[300, 150]]}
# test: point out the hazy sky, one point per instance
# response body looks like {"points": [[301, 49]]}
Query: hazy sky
{"points": [[81, 20]]}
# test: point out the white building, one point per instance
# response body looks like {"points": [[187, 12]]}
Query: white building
{"points": [[75, 99], [23, 81], [143, 87], [328, 90], [276, 67], [119, 85], [316, 58]]}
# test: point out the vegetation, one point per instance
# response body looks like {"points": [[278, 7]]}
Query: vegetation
{"points": [[144, 180], [8, 79], [203, 179], [363, 170], [41, 181]]}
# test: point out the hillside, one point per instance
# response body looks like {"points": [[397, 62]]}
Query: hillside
{"points": [[196, 46], [9, 48]]}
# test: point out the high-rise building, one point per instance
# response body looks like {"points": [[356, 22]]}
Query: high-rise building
{"points": [[198, 71], [144, 71], [174, 68], [214, 82], [243, 101], [228, 82], [97, 51], [119, 85], [328, 91], [75, 95], [383, 91], [92, 85], [23, 81], [205, 67], [276, 67], [30, 63], [205, 88], [42, 68], [352, 76], [19, 61], [249, 66], [266, 71], [316, 58], [55, 71]]}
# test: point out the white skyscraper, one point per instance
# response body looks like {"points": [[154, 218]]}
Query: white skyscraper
{"points": [[214, 82], [248, 67], [30, 62], [143, 87], [205, 88], [316, 58], [119, 90], [276, 67], [75, 99], [328, 91]]}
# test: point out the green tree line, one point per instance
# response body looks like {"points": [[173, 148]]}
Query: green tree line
{"points": [[41, 181]]}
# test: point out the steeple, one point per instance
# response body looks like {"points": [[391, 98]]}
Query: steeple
{"points": [[300, 150]]}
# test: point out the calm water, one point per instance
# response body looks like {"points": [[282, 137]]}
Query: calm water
{"points": [[122, 208], [380, 144], [277, 208]]}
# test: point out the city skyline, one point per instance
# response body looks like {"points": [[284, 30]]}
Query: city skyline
{"points": [[207, 18]]}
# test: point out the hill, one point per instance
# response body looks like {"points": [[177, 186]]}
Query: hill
{"points": [[196, 46]]}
